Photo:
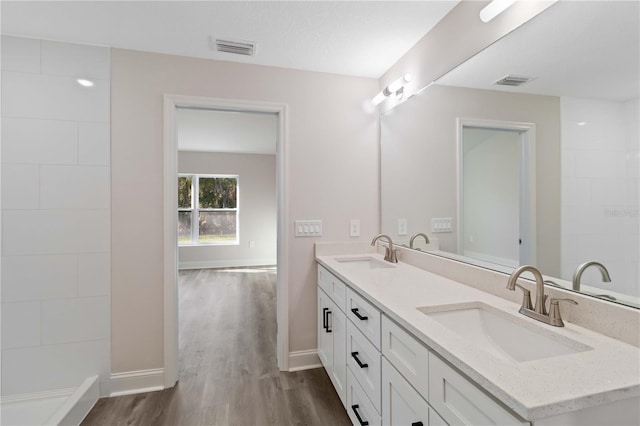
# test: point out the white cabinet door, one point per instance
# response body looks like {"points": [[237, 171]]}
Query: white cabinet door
{"points": [[360, 410], [401, 403], [363, 360], [332, 341], [335, 289], [365, 316], [338, 322], [435, 419], [406, 354], [325, 335], [460, 402]]}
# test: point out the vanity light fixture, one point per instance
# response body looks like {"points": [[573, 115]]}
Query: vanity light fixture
{"points": [[396, 88], [493, 9], [85, 83]]}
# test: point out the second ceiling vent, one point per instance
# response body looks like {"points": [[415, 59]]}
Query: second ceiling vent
{"points": [[244, 48], [513, 80]]}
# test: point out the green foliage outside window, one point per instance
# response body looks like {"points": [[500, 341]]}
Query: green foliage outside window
{"points": [[184, 192], [213, 209], [217, 193]]}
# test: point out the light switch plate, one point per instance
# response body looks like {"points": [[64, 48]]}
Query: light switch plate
{"points": [[354, 229], [441, 225], [308, 228]]}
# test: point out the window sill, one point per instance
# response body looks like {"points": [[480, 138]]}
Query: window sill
{"points": [[234, 243]]}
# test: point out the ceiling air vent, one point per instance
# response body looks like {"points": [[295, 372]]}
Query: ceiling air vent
{"points": [[513, 80], [245, 48]]}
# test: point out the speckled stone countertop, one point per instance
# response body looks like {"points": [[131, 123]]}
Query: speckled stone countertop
{"points": [[608, 372]]}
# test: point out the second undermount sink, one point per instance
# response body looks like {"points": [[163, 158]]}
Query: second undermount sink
{"points": [[502, 335], [365, 263]]}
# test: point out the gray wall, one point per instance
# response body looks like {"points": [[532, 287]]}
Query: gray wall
{"points": [[331, 140], [419, 157], [257, 209]]}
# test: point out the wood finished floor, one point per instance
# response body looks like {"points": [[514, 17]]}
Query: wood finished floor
{"points": [[228, 370]]}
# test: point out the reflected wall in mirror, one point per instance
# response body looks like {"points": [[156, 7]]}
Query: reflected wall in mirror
{"points": [[496, 194], [582, 98]]}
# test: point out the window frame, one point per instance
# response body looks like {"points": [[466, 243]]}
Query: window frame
{"points": [[195, 210]]}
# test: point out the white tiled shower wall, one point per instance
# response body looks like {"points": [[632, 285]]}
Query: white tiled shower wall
{"points": [[55, 215], [600, 192]]}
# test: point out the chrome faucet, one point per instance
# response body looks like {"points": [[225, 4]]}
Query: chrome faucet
{"points": [[539, 312], [390, 254], [419, 234], [540, 297], [577, 275]]}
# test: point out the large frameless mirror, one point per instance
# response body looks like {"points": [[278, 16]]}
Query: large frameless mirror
{"points": [[529, 153]]}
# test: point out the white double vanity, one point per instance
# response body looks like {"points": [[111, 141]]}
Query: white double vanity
{"points": [[405, 346]]}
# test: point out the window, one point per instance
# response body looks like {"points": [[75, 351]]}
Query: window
{"points": [[207, 209]]}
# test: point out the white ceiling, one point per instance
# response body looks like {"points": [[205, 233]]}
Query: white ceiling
{"points": [[587, 49], [360, 38], [226, 131]]}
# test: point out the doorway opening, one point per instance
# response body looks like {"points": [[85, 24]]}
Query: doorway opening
{"points": [[217, 206], [496, 192]]}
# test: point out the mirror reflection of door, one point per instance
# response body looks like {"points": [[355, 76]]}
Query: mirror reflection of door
{"points": [[493, 195]]}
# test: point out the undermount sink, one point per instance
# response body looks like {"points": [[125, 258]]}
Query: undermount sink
{"points": [[503, 335], [364, 263]]}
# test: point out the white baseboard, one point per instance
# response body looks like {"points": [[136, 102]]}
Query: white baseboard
{"points": [[304, 360], [55, 393], [206, 264], [131, 382], [79, 404], [67, 406]]}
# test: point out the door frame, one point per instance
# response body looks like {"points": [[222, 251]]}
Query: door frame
{"points": [[170, 238], [527, 254]]}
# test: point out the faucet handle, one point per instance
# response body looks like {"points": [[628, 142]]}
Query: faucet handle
{"points": [[391, 255], [554, 311], [526, 298]]}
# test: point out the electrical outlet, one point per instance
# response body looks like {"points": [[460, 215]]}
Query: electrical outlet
{"points": [[354, 228], [252, 244], [402, 226]]}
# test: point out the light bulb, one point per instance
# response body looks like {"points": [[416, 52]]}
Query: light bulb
{"points": [[396, 85], [493, 9], [85, 83]]}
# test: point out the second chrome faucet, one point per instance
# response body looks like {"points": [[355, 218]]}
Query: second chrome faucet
{"points": [[539, 312], [414, 236], [390, 254], [577, 275]]}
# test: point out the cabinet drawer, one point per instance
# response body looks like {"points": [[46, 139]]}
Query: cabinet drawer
{"points": [[401, 403], [335, 289], [361, 411], [365, 316], [461, 402], [406, 354], [363, 360]]}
